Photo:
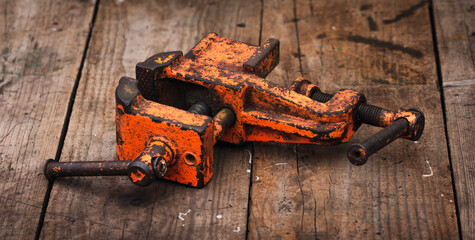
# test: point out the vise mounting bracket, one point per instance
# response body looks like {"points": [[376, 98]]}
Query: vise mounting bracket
{"points": [[170, 117]]}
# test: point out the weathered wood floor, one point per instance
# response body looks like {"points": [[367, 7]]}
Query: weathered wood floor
{"points": [[61, 61]]}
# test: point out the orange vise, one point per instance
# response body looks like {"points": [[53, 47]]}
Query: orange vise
{"points": [[170, 117]]}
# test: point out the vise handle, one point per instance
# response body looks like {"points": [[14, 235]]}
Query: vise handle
{"points": [[152, 162], [396, 124]]}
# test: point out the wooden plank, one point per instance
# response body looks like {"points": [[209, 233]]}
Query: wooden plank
{"points": [[384, 50], [455, 23], [455, 27], [41, 48], [279, 22], [459, 104], [112, 207]]}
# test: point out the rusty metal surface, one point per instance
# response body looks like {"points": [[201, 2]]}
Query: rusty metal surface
{"points": [[358, 153], [145, 168], [170, 117], [91, 168]]}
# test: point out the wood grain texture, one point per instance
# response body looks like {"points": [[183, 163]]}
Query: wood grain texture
{"points": [[455, 22], [455, 27], [112, 207], [383, 49], [460, 107], [278, 22], [41, 48]]}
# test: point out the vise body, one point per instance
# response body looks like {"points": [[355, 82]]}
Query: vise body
{"points": [[169, 118]]}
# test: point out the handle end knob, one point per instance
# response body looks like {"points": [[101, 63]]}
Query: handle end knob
{"points": [[47, 170], [357, 154]]}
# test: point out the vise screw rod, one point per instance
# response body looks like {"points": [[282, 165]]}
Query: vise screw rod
{"points": [[368, 114], [359, 153], [224, 119]]}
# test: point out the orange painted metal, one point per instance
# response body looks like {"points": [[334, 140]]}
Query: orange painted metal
{"points": [[224, 74], [228, 76], [169, 118]]}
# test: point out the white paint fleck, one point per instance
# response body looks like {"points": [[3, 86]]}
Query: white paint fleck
{"points": [[282, 163], [238, 229], [219, 216], [54, 29], [459, 83], [257, 178], [441, 194], [183, 225], [119, 1], [415, 142], [181, 215], [450, 201], [333, 28], [250, 155], [248, 170], [431, 172], [94, 135]]}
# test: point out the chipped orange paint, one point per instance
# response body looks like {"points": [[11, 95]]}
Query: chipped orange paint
{"points": [[225, 74], [136, 129], [412, 118], [304, 86], [136, 176], [160, 61]]}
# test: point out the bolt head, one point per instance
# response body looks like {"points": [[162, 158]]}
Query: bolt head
{"points": [[357, 154], [160, 166]]}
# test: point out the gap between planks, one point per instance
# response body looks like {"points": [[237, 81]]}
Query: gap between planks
{"points": [[441, 86], [66, 120], [253, 145]]}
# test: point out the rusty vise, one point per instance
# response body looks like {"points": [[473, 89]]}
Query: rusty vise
{"points": [[170, 117]]}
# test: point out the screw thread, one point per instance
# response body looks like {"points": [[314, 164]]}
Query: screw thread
{"points": [[321, 97], [368, 114], [371, 114], [200, 108]]}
